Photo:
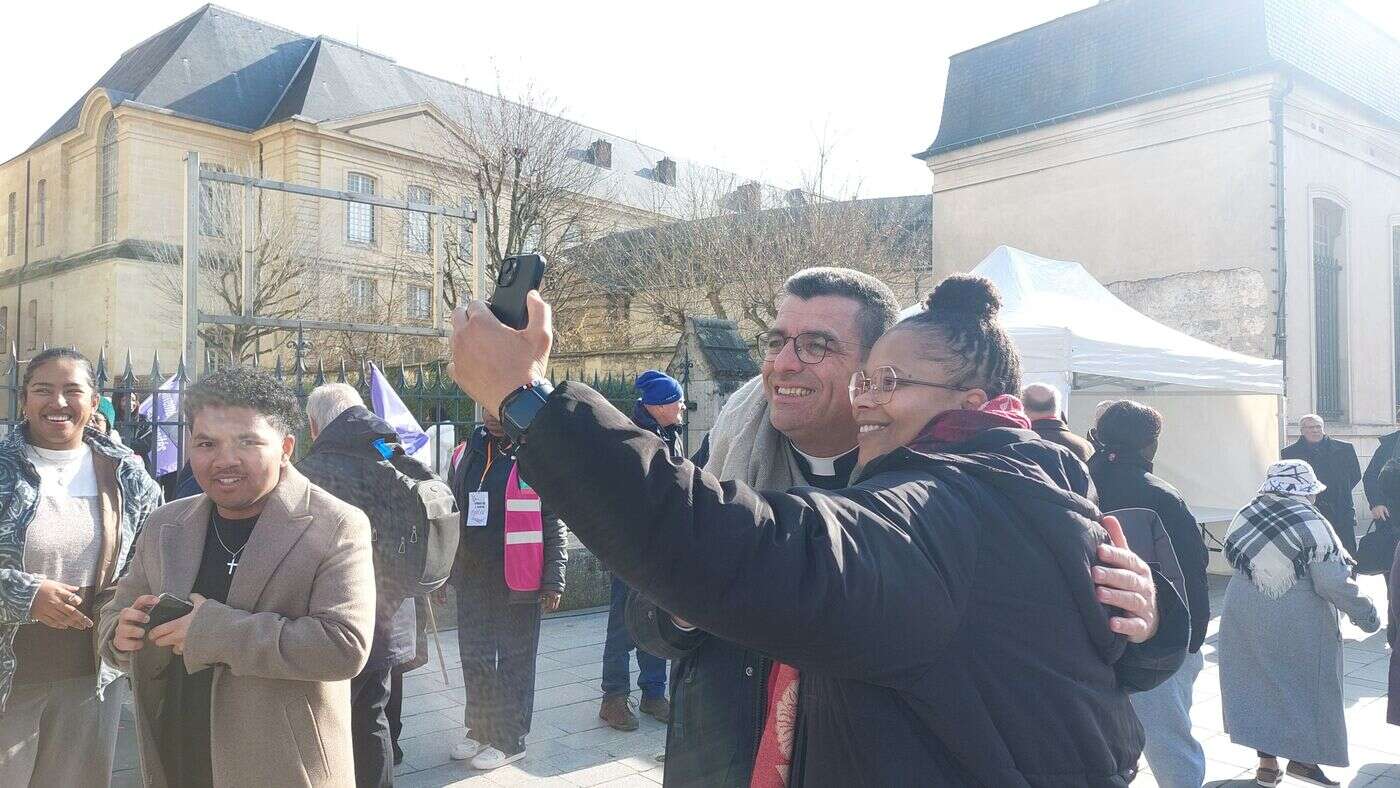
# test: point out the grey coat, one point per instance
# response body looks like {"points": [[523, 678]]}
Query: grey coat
{"points": [[1281, 664]]}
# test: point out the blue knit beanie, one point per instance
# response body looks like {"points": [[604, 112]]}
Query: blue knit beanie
{"points": [[657, 388]]}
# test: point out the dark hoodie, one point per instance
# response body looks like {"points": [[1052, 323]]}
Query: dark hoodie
{"points": [[940, 611], [345, 462]]}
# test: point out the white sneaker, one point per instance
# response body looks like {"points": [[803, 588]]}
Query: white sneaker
{"points": [[492, 758], [466, 749]]}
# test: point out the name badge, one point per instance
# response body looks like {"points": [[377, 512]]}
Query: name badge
{"points": [[478, 508]]}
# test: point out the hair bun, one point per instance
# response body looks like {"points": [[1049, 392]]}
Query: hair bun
{"points": [[973, 295]]}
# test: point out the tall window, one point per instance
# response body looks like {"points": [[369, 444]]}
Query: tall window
{"points": [[4, 329], [33, 325], [359, 217], [41, 207], [417, 232], [420, 302], [1329, 221], [12, 212], [213, 204], [107, 180], [361, 292], [1395, 305]]}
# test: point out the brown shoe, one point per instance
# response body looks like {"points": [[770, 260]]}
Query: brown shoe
{"points": [[617, 713], [660, 708]]}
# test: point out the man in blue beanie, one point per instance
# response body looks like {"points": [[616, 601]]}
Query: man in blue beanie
{"points": [[659, 408]]}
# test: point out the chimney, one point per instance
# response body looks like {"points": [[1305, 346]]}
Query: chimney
{"points": [[666, 171], [748, 197], [796, 198], [601, 153]]}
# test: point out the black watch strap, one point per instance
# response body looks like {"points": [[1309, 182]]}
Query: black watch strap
{"points": [[519, 407]]}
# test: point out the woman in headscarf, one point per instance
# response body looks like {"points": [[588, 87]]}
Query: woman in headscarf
{"points": [[1280, 650]]}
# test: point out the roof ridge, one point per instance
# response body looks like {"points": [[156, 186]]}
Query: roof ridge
{"points": [[163, 30], [486, 94], [312, 52], [243, 16]]}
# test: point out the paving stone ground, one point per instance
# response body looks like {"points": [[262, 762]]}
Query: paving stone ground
{"points": [[570, 746]]}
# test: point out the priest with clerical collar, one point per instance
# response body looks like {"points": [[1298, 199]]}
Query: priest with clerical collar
{"points": [[252, 686]]}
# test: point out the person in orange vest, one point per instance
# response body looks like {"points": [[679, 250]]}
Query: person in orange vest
{"points": [[510, 569]]}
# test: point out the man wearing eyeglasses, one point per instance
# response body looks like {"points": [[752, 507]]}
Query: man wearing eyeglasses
{"points": [[791, 426]]}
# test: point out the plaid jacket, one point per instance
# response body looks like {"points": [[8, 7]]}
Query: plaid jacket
{"points": [[19, 499]]}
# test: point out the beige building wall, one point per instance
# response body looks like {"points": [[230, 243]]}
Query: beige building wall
{"points": [[98, 297], [1170, 203]]}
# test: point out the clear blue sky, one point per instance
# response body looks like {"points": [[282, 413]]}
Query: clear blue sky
{"points": [[751, 87]]}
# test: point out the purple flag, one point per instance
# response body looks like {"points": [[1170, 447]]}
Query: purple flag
{"points": [[386, 405], [164, 412]]}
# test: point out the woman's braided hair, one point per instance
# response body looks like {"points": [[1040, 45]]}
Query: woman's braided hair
{"points": [[960, 323]]}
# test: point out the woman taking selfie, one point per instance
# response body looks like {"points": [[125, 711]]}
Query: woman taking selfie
{"points": [[71, 502], [940, 617]]}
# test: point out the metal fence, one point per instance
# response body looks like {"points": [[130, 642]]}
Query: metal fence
{"points": [[445, 411]]}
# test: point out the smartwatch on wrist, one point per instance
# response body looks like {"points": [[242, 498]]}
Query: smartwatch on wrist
{"points": [[519, 407]]}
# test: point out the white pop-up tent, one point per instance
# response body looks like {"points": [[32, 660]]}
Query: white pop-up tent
{"points": [[1222, 410]]}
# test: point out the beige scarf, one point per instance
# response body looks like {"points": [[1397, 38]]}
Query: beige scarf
{"points": [[745, 447]]}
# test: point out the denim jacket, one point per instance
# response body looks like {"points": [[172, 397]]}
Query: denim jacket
{"points": [[137, 496]]}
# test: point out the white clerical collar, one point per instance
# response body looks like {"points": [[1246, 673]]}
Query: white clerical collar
{"points": [[822, 466]]}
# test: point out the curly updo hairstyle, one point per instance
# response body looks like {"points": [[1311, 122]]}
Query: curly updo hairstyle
{"points": [[960, 329]]}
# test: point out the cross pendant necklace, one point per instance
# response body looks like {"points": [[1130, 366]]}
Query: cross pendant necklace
{"points": [[232, 554]]}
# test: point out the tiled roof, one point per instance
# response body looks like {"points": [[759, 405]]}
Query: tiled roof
{"points": [[1121, 51], [219, 66]]}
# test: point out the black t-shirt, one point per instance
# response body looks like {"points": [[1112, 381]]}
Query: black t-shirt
{"points": [[843, 466], [184, 737]]}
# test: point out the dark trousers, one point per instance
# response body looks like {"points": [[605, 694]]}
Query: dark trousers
{"points": [[617, 680], [498, 640], [394, 710], [369, 729]]}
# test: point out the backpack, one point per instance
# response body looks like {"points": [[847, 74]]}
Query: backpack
{"points": [[413, 554]]}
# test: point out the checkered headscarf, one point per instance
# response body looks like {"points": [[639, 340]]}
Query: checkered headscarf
{"points": [[1276, 537]]}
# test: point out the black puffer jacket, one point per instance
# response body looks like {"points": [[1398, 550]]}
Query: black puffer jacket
{"points": [[1128, 482], [941, 610], [344, 462]]}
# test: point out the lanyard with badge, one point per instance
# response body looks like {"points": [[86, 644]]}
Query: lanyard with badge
{"points": [[479, 501]]}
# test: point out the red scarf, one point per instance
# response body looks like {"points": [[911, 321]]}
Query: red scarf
{"points": [[955, 426], [773, 763]]}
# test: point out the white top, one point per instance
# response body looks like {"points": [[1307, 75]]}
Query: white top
{"points": [[821, 466], [64, 541]]}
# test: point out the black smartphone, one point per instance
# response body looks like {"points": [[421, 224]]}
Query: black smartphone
{"points": [[519, 275], [168, 607]]}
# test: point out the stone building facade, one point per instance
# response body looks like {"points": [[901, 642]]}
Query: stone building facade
{"points": [[82, 209], [1230, 168]]}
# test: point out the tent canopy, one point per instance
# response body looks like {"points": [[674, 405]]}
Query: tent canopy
{"points": [[1063, 321]]}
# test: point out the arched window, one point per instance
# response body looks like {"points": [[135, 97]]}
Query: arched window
{"points": [[1329, 263], [107, 180]]}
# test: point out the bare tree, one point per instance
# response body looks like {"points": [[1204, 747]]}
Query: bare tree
{"points": [[286, 271], [737, 242], [539, 184]]}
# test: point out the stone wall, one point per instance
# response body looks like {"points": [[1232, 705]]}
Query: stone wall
{"points": [[1226, 308]]}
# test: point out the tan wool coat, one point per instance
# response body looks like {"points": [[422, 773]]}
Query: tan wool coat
{"points": [[297, 627]]}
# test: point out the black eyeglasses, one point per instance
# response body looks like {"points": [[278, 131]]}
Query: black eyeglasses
{"points": [[810, 346], [882, 384]]}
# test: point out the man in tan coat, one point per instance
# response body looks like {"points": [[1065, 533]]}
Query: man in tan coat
{"points": [[252, 687]]}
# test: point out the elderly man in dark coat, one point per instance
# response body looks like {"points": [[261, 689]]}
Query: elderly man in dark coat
{"points": [[1336, 466], [1042, 404]]}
